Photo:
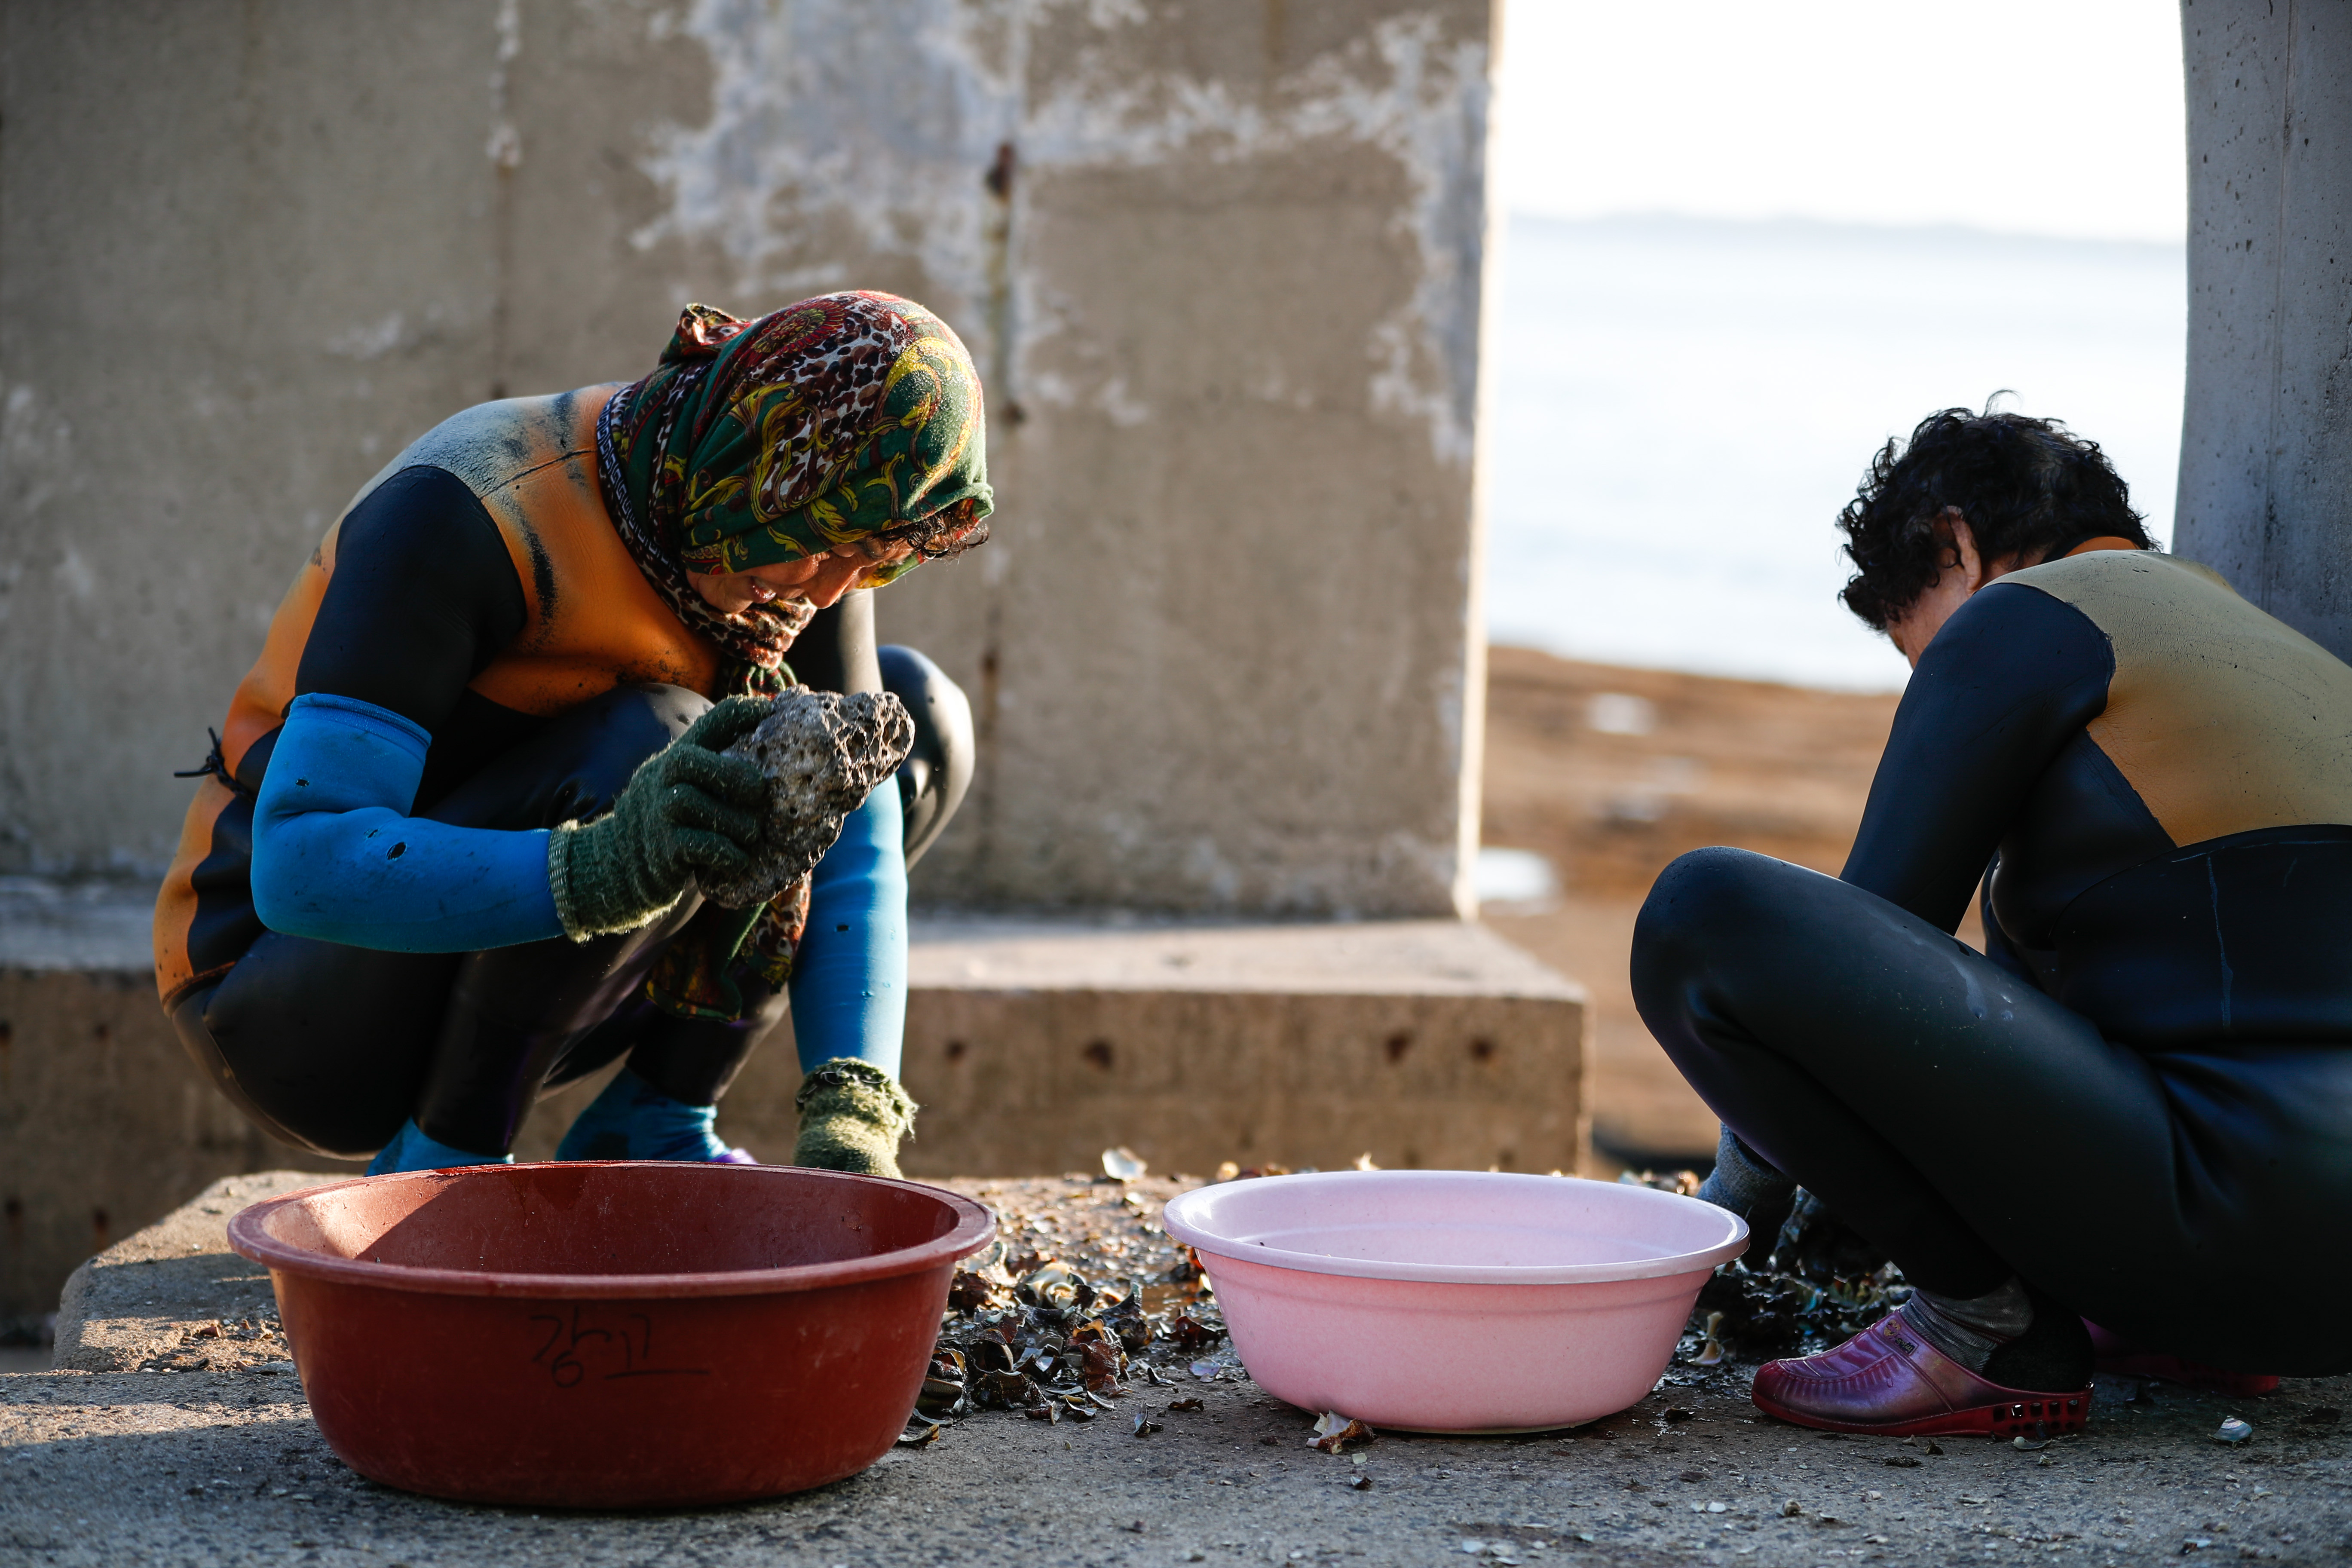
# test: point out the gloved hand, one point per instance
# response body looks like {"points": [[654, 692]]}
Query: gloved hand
{"points": [[685, 810], [852, 1115]]}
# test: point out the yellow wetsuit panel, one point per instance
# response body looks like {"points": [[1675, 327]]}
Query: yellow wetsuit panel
{"points": [[2225, 719]]}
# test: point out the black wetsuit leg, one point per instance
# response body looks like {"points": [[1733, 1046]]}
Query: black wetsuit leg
{"points": [[1974, 1128], [333, 1048], [691, 1061]]}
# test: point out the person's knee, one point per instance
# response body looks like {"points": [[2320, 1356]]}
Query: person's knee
{"points": [[650, 715], [1702, 906], [1707, 891], [609, 737], [343, 1116], [937, 770]]}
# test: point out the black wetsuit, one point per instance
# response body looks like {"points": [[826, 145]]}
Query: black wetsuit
{"points": [[2140, 1097]]}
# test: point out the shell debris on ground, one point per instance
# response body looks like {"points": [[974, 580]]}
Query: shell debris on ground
{"points": [[1082, 1303]]}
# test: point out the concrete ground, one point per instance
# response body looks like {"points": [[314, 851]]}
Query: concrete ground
{"points": [[218, 1462]]}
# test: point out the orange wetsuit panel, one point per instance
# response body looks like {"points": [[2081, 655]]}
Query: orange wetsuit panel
{"points": [[593, 622]]}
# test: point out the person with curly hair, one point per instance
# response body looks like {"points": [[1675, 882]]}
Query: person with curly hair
{"points": [[2133, 1109], [447, 852]]}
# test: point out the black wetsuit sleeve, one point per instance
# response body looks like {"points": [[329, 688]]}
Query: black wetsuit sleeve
{"points": [[423, 597], [2010, 678]]}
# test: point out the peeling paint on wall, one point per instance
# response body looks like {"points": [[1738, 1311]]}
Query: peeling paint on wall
{"points": [[878, 114], [368, 340], [35, 453]]}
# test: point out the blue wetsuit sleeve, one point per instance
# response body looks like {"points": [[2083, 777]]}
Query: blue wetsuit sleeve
{"points": [[337, 858], [849, 978]]}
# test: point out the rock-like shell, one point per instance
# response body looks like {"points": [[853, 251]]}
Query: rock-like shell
{"points": [[822, 753]]}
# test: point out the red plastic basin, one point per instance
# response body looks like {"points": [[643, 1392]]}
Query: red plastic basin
{"points": [[621, 1335]]}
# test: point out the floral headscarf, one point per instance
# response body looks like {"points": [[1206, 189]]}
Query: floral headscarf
{"points": [[847, 418]]}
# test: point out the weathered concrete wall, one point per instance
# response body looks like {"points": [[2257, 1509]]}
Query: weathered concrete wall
{"points": [[2266, 447], [1220, 261]]}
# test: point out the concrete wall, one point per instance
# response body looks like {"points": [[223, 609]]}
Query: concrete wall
{"points": [[2266, 448], [1220, 261]]}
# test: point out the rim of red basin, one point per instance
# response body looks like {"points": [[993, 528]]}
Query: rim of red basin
{"points": [[975, 1228], [1183, 1217]]}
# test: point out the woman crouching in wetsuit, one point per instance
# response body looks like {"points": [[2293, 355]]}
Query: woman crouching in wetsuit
{"points": [[2134, 1108], [445, 854]]}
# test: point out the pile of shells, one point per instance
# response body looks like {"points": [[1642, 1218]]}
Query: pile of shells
{"points": [[1821, 1284], [1035, 1335], [1083, 1298]]}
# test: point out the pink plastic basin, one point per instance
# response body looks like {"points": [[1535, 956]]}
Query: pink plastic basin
{"points": [[592, 1335], [1454, 1301]]}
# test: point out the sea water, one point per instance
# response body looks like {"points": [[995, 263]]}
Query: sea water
{"points": [[1679, 407]]}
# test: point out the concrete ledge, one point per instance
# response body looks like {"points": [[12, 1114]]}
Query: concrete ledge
{"points": [[104, 1124], [134, 1306], [1430, 1043], [1033, 1046]]}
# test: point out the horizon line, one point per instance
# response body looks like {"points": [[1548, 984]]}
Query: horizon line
{"points": [[1946, 228]]}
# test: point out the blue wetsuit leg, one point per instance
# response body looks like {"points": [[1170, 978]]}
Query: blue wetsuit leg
{"points": [[849, 979]]}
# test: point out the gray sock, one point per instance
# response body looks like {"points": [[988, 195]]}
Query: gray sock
{"points": [[1970, 1330], [1743, 1182]]}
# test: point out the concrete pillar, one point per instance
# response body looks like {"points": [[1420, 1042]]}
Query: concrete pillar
{"points": [[2266, 447]]}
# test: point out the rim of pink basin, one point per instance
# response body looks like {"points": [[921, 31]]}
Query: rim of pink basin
{"points": [[1185, 1215], [249, 1236]]}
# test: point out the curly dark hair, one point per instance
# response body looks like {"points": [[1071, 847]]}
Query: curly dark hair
{"points": [[2026, 487]]}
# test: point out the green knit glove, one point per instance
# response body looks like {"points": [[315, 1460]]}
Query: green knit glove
{"points": [[686, 808], [852, 1115]]}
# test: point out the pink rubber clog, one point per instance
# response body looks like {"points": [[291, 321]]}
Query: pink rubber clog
{"points": [[1888, 1380]]}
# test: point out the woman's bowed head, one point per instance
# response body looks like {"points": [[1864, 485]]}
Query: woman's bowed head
{"points": [[817, 581], [1968, 500], [768, 467]]}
